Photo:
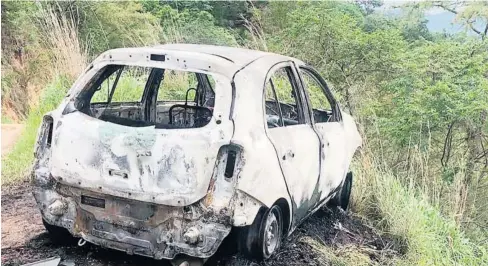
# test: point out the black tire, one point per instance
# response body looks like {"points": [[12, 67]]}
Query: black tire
{"points": [[343, 196], [58, 234], [263, 238]]}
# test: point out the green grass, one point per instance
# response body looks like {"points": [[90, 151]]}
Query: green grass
{"points": [[6, 120], [16, 165], [430, 238]]}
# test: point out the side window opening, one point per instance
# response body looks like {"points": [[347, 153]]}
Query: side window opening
{"points": [[272, 108], [321, 106], [143, 96], [283, 106], [125, 84]]}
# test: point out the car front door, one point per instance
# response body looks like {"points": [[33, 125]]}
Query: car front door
{"points": [[327, 121], [296, 143]]}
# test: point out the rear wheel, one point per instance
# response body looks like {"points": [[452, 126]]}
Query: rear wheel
{"points": [[342, 198], [261, 239], [58, 234]]}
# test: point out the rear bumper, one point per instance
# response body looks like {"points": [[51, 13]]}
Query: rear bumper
{"points": [[135, 227]]}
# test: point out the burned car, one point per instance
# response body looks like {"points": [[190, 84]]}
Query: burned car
{"points": [[161, 151]]}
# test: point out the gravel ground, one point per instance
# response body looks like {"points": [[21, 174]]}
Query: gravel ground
{"points": [[10, 133]]}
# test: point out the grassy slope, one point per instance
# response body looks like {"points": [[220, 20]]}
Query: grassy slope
{"points": [[16, 165], [428, 237]]}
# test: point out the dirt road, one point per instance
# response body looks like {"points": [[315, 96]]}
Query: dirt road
{"points": [[24, 239], [10, 133]]}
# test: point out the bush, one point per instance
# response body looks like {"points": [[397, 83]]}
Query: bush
{"points": [[428, 237], [16, 165]]}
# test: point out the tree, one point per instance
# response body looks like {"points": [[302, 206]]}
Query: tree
{"points": [[473, 14]]}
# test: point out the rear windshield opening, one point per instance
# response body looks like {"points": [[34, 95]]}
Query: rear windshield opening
{"points": [[142, 96]]}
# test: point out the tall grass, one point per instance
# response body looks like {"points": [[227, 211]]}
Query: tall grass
{"points": [[400, 206], [67, 61], [16, 165], [429, 237], [61, 37]]}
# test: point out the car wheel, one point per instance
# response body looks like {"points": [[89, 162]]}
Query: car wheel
{"points": [[263, 238], [341, 199], [58, 234]]}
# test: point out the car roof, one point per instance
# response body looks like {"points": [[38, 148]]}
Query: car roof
{"points": [[238, 56]]}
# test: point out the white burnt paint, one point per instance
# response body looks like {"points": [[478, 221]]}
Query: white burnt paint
{"points": [[182, 167]]}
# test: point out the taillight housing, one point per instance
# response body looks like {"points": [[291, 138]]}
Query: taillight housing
{"points": [[45, 135], [225, 175], [231, 163]]}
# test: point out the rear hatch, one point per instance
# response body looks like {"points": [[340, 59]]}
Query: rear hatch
{"points": [[164, 166]]}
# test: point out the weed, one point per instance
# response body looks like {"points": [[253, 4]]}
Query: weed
{"points": [[16, 165]]}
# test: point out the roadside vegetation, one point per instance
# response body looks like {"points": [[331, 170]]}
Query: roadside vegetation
{"points": [[419, 97]]}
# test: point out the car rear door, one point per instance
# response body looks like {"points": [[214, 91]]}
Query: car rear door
{"points": [[296, 143], [327, 121]]}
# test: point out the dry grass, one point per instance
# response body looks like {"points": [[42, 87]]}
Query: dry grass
{"points": [[61, 35], [406, 212], [27, 72], [67, 60]]}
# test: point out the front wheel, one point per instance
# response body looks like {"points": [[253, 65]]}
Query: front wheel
{"points": [[261, 239], [343, 196]]}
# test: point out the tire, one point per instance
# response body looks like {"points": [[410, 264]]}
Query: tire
{"points": [[343, 196], [263, 238], [58, 234]]}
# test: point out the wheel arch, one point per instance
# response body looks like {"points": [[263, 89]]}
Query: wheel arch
{"points": [[248, 236], [286, 212]]}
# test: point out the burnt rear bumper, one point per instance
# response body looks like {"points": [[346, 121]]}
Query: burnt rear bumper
{"points": [[156, 231]]}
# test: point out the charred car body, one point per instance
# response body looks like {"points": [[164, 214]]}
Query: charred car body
{"points": [[248, 140]]}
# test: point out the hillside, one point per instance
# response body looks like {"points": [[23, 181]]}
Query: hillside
{"points": [[420, 99]]}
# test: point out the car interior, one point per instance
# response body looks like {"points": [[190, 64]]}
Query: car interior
{"points": [[140, 97]]}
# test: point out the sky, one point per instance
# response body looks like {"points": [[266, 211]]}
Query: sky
{"points": [[439, 19]]}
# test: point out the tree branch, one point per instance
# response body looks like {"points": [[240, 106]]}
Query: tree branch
{"points": [[485, 31], [441, 5], [446, 152]]}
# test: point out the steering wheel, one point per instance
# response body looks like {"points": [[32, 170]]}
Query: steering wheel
{"points": [[187, 92]]}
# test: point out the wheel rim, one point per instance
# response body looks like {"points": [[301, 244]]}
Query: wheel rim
{"points": [[271, 234]]}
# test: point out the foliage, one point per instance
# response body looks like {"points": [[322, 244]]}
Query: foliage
{"points": [[17, 164], [430, 238], [20, 43], [420, 98], [190, 24], [107, 25]]}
